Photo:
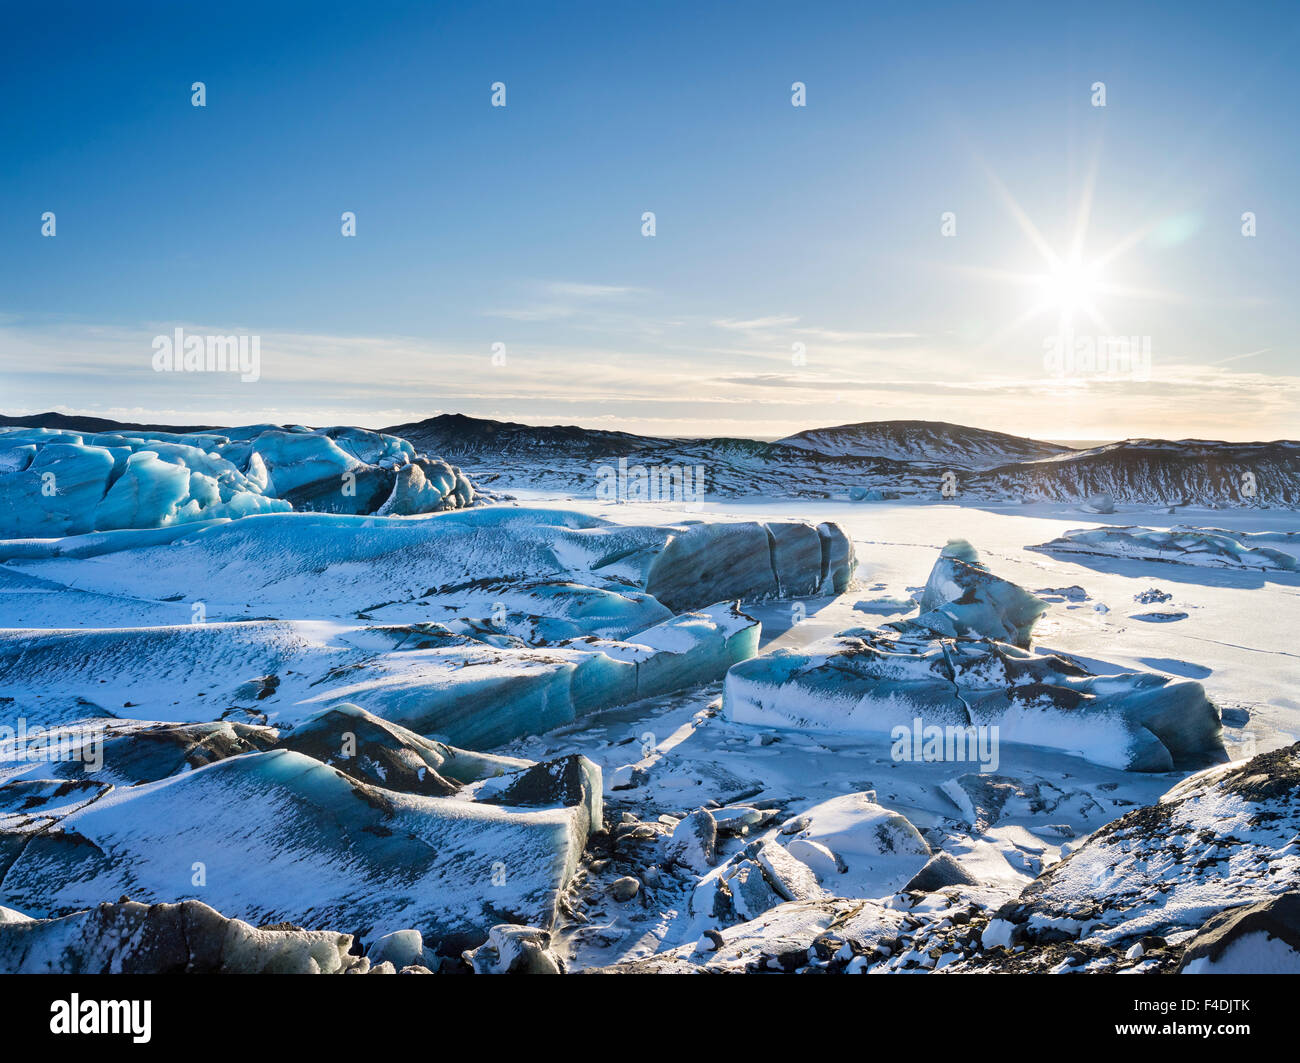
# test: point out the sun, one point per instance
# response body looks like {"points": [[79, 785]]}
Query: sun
{"points": [[1070, 286]]}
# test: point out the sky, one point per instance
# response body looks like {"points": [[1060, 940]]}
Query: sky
{"points": [[948, 215]]}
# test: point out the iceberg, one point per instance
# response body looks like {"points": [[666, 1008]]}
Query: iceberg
{"points": [[962, 599], [1180, 545], [1138, 721], [962, 667]]}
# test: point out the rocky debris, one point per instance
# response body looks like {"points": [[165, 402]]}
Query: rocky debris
{"points": [[940, 872], [512, 949], [694, 841], [1260, 938], [624, 889], [1153, 876], [1155, 891], [1152, 596], [186, 938], [572, 781], [829, 935]]}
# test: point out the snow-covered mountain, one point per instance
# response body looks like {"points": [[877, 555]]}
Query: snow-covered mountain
{"points": [[1157, 471], [903, 458]]}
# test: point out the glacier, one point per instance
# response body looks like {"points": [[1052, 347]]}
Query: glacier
{"points": [[275, 835], [475, 625], [55, 483]]}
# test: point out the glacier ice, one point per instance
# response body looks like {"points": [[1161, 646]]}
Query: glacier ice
{"points": [[542, 616], [513, 949], [1140, 721], [963, 599], [961, 667], [55, 483], [186, 938], [278, 836], [532, 561], [1179, 545]]}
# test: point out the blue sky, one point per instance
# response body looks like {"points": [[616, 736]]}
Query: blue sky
{"points": [[775, 225]]}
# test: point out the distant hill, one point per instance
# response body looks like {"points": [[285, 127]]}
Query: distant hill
{"points": [[1172, 472], [924, 441], [76, 423]]}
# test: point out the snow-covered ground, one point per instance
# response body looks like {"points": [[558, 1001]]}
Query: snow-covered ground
{"points": [[538, 638], [1236, 638]]}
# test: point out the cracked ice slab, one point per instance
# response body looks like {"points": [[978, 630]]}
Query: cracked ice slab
{"points": [[1138, 721], [1180, 545], [949, 669], [466, 690], [272, 564], [280, 837]]}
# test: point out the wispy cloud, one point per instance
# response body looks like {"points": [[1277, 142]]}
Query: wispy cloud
{"points": [[755, 324], [628, 371]]}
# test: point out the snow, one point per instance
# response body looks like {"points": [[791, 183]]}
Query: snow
{"points": [[612, 643], [277, 836], [1256, 953], [875, 850]]}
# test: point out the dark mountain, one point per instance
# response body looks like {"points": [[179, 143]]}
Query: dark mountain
{"points": [[1156, 471], [77, 423], [974, 448], [507, 455]]}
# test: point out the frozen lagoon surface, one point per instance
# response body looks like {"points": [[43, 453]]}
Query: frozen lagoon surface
{"points": [[1237, 639], [663, 757]]}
